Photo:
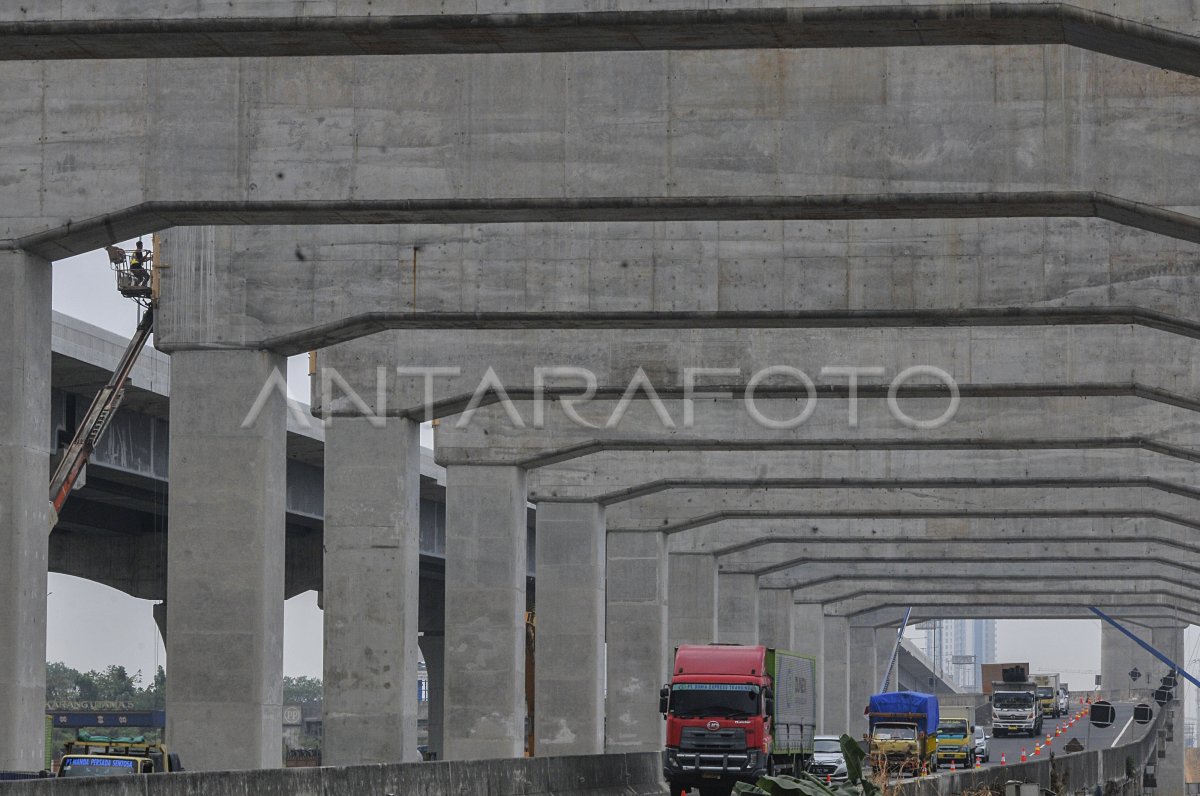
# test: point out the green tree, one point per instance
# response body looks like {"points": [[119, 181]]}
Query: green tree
{"points": [[302, 690]]}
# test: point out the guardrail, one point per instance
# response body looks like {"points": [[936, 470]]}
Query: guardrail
{"points": [[592, 775], [1060, 773]]}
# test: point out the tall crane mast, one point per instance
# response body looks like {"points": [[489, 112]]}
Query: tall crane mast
{"points": [[133, 281]]}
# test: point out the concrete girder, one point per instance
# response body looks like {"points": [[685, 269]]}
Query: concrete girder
{"points": [[609, 477], [790, 565], [890, 616], [594, 275], [1164, 602], [680, 509], [1137, 580], [312, 140], [740, 540], [1002, 423], [208, 29], [985, 361]]}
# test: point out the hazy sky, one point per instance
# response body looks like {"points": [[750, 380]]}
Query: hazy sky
{"points": [[84, 288]]}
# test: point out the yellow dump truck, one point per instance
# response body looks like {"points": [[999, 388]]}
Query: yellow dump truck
{"points": [[903, 731], [956, 737]]}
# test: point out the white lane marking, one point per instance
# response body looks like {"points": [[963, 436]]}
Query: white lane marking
{"points": [[1122, 732]]}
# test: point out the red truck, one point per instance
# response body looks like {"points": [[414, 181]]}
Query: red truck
{"points": [[735, 713]]}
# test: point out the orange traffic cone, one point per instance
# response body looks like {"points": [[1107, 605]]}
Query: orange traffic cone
{"points": [[1003, 762], [1037, 750], [1024, 759], [828, 779], [978, 763], [952, 766], [1057, 730]]}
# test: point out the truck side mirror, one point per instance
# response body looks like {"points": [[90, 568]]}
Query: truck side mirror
{"points": [[664, 699], [768, 701]]}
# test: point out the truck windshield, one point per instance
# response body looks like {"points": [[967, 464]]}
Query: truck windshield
{"points": [[97, 767], [952, 731], [1045, 693], [693, 700], [1012, 701], [896, 732]]}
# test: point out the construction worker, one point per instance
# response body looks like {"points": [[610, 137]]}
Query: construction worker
{"points": [[137, 265]]}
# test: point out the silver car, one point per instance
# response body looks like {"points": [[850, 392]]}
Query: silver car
{"points": [[827, 759], [981, 745]]}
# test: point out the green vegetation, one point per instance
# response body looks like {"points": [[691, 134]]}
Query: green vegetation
{"points": [[808, 785]]}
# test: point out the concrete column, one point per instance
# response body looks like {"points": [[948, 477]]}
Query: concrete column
{"points": [[775, 618], [635, 629], [737, 608], [808, 638], [371, 591], [835, 684], [1169, 641], [1119, 655], [569, 675], [862, 675], [24, 513], [486, 567], [433, 648], [692, 601], [225, 560]]}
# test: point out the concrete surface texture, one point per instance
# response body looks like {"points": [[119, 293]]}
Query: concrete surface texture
{"points": [[225, 561], [1017, 209], [569, 676], [24, 515], [370, 592], [605, 775], [485, 613]]}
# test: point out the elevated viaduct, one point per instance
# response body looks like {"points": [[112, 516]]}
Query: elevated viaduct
{"points": [[686, 200]]}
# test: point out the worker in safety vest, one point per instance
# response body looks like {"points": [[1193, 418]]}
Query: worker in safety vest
{"points": [[137, 265]]}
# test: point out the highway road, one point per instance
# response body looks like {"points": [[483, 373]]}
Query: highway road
{"points": [[1122, 731]]}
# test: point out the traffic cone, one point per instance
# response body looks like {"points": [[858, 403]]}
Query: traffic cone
{"points": [[952, 766], [1024, 759], [1037, 750], [1057, 730], [978, 763], [828, 779], [1003, 762]]}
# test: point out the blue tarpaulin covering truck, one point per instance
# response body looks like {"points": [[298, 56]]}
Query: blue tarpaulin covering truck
{"points": [[903, 731]]}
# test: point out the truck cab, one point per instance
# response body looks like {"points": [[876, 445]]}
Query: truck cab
{"points": [[1015, 709], [956, 737], [723, 723]]}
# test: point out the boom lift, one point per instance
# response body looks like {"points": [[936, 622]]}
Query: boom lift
{"points": [[134, 278]]}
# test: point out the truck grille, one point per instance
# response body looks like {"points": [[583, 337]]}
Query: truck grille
{"points": [[698, 739]]}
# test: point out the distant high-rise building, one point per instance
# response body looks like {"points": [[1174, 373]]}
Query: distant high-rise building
{"points": [[950, 643]]}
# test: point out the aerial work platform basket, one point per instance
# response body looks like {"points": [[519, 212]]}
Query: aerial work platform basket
{"points": [[135, 272]]}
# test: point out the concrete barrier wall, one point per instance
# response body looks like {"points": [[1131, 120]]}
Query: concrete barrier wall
{"points": [[1076, 773], [594, 775]]}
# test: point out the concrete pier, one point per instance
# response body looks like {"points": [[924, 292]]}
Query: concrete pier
{"points": [[225, 562], [636, 633], [775, 618], [692, 600], [737, 608], [371, 591], [486, 536], [569, 675], [24, 513], [835, 682]]}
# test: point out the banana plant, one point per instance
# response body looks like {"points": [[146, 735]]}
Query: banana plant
{"points": [[807, 785]]}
